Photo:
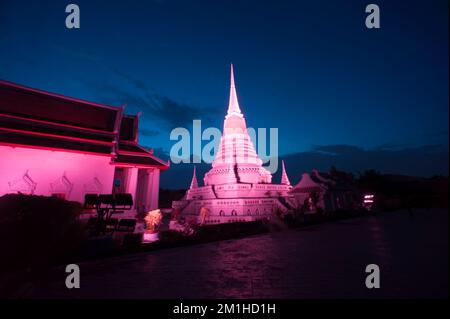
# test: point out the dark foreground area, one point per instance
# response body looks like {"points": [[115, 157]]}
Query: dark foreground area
{"points": [[319, 261]]}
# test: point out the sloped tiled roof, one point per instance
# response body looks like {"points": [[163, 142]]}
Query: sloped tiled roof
{"points": [[38, 119]]}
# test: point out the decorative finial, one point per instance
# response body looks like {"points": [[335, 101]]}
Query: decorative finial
{"points": [[233, 105], [284, 177], [194, 183]]}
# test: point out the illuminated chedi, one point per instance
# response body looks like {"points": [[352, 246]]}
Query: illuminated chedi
{"points": [[237, 187]]}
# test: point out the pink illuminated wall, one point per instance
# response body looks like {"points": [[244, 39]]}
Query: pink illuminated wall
{"points": [[45, 172]]}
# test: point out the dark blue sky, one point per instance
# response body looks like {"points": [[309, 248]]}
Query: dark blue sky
{"points": [[310, 68]]}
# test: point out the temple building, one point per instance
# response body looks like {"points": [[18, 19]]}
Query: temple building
{"points": [[318, 191], [54, 145], [237, 187]]}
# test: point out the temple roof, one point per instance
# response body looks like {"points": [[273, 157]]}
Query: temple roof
{"points": [[21, 101], [141, 161], [233, 104], [306, 184], [128, 128], [38, 119], [20, 139]]}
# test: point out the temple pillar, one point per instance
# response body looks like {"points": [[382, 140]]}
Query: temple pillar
{"points": [[132, 180], [153, 189]]}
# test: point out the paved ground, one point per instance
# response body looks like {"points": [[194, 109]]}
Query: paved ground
{"points": [[323, 261]]}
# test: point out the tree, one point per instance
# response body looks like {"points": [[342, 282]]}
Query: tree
{"points": [[313, 200]]}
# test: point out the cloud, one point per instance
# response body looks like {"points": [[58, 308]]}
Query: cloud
{"points": [[390, 146], [147, 132], [337, 149], [77, 53], [138, 84], [177, 114], [161, 153], [423, 161], [137, 95]]}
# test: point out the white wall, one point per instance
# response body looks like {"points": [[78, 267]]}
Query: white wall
{"points": [[154, 197], [151, 190], [46, 167]]}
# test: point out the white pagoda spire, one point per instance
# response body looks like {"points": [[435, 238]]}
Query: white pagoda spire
{"points": [[236, 160], [233, 104], [194, 183], [284, 177]]}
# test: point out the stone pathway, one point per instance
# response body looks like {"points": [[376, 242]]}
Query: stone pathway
{"points": [[322, 261]]}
